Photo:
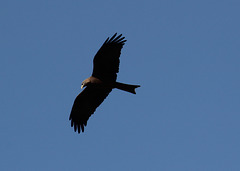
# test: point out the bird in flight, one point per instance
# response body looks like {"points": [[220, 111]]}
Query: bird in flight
{"points": [[101, 83]]}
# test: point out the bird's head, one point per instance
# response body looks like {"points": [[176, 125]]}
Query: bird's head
{"points": [[85, 83]]}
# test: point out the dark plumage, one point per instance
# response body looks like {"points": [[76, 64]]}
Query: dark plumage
{"points": [[101, 83]]}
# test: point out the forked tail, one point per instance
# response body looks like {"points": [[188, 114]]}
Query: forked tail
{"points": [[126, 87]]}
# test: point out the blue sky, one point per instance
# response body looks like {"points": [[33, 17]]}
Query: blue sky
{"points": [[184, 54]]}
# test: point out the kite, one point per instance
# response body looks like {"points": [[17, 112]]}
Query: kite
{"points": [[101, 83]]}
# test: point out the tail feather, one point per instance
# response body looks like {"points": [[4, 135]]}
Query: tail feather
{"points": [[126, 87]]}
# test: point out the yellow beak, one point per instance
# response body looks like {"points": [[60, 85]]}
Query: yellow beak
{"points": [[81, 86]]}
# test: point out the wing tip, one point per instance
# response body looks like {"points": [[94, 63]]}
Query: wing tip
{"points": [[77, 127], [119, 39]]}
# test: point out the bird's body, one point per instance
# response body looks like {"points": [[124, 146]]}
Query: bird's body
{"points": [[97, 83], [100, 84]]}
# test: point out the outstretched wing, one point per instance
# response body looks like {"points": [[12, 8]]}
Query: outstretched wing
{"points": [[85, 105], [106, 61]]}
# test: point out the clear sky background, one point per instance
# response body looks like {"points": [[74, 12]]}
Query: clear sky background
{"points": [[184, 54]]}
